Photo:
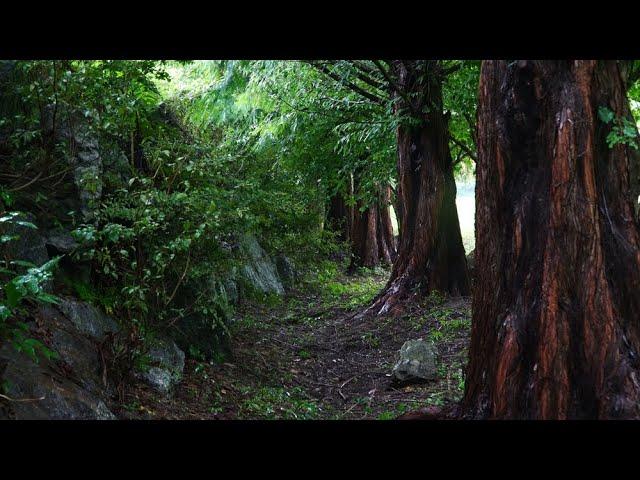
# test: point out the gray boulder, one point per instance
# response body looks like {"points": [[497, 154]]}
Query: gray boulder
{"points": [[417, 362], [199, 334], [61, 241], [70, 386], [286, 270], [88, 319], [160, 379], [40, 392], [227, 286], [167, 366], [259, 270], [75, 350]]}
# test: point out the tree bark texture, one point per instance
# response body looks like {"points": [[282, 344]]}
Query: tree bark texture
{"points": [[556, 309], [372, 233]]}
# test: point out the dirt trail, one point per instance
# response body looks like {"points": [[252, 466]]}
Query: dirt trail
{"points": [[306, 358]]}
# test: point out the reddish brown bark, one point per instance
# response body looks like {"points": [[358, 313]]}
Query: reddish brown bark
{"points": [[556, 308], [430, 251], [372, 234]]}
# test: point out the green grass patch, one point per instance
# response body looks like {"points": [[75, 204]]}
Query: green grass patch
{"points": [[399, 409], [338, 290], [277, 403], [352, 293], [371, 340], [448, 323], [304, 354]]}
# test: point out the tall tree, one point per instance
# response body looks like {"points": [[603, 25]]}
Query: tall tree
{"points": [[342, 143], [430, 252], [555, 311], [370, 103]]}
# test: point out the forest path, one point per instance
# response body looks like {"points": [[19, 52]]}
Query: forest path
{"points": [[304, 357]]}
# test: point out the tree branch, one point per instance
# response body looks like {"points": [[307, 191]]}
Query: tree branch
{"points": [[472, 128], [471, 154], [348, 84], [451, 69], [365, 75], [395, 86]]}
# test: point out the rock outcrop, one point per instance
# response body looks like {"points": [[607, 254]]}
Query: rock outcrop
{"points": [[70, 386], [84, 159], [88, 319], [259, 271]]}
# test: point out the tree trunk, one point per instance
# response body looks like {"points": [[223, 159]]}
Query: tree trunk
{"points": [[556, 308], [372, 234], [364, 238], [340, 217], [430, 251], [385, 227]]}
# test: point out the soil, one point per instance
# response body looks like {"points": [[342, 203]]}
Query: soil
{"points": [[307, 358]]}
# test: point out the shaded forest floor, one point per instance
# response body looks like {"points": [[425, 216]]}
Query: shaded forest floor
{"points": [[304, 357]]}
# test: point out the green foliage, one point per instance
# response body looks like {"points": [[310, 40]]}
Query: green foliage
{"points": [[325, 131], [155, 244], [304, 354], [212, 150], [399, 409], [21, 289], [460, 101], [623, 131], [371, 340], [111, 98], [633, 91], [271, 403], [448, 324], [435, 298], [347, 293], [436, 336]]}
